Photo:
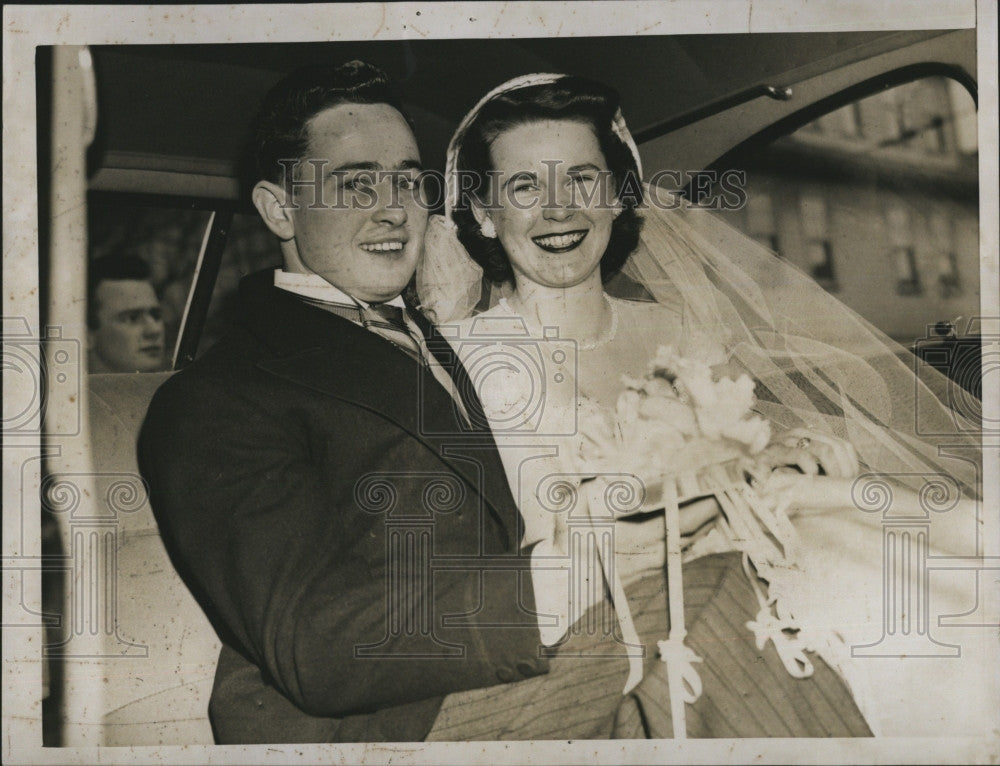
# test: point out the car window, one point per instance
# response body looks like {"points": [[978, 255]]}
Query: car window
{"points": [[878, 201], [250, 247], [165, 241]]}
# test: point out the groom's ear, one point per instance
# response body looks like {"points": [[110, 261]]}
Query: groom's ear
{"points": [[273, 203]]}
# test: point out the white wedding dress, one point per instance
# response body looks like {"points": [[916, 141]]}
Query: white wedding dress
{"points": [[868, 583]]}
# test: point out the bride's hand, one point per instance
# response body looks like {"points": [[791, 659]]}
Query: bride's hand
{"points": [[809, 451]]}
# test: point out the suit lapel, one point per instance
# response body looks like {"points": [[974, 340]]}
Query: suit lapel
{"points": [[448, 359], [357, 366], [333, 356]]}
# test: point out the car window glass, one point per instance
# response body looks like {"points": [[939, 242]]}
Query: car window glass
{"points": [[250, 247], [878, 201], [167, 241]]}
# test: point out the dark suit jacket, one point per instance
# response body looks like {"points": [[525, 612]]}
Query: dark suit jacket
{"points": [[356, 550]]}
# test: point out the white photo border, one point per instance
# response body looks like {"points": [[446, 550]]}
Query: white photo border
{"points": [[26, 27]]}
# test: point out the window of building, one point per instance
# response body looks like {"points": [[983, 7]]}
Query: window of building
{"points": [[943, 239], [843, 122], [964, 118], [925, 107], [131, 324], [250, 247], [934, 115], [949, 284], [878, 201], [169, 242], [905, 261], [903, 254], [814, 216], [761, 222]]}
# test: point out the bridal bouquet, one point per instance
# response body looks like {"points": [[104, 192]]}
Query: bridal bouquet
{"points": [[687, 433], [677, 420]]}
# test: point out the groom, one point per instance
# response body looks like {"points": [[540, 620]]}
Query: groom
{"points": [[312, 466]]}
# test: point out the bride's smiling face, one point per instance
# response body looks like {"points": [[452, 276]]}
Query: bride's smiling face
{"points": [[553, 195]]}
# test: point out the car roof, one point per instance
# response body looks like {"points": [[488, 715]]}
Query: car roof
{"points": [[173, 118]]}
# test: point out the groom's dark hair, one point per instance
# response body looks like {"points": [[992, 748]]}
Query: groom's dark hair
{"points": [[281, 128]]}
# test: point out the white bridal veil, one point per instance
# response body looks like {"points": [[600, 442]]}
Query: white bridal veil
{"points": [[817, 363]]}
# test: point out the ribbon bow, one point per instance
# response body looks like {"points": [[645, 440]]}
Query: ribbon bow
{"points": [[679, 658], [790, 648]]}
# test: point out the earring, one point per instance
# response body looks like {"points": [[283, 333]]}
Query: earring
{"points": [[487, 229]]}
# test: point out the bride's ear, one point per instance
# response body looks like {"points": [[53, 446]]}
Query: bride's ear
{"points": [[482, 217]]}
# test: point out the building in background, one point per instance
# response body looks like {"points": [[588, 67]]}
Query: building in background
{"points": [[878, 201]]}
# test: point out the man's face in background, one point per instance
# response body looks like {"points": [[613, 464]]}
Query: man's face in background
{"points": [[129, 334]]}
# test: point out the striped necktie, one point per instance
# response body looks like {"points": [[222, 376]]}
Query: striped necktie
{"points": [[380, 318], [438, 346], [389, 322]]}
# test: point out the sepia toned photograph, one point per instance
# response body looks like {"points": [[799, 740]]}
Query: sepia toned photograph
{"points": [[501, 383]]}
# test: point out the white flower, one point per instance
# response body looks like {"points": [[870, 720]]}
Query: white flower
{"points": [[677, 418], [628, 408], [669, 416]]}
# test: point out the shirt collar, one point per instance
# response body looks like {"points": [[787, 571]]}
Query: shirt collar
{"points": [[315, 287]]}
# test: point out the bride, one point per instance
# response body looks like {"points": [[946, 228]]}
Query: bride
{"points": [[544, 200]]}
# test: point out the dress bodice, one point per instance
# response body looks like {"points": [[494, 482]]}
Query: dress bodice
{"points": [[521, 362], [536, 387]]}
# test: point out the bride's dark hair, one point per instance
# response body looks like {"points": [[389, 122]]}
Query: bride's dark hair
{"points": [[569, 98]]}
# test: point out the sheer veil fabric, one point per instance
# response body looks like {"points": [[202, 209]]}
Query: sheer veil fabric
{"points": [[817, 363]]}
